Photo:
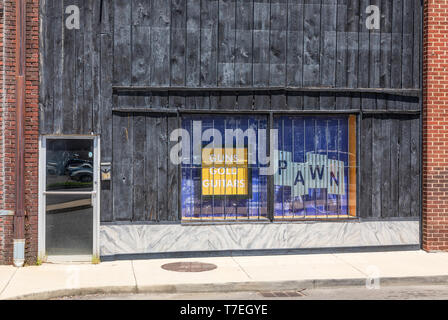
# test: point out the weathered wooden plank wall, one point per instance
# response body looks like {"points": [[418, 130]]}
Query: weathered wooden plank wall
{"points": [[231, 43]]}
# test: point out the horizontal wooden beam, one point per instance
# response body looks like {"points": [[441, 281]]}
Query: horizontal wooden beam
{"points": [[223, 111], [411, 92], [386, 112], [174, 111]]}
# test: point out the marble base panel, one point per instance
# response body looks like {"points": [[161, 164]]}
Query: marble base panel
{"points": [[141, 239]]}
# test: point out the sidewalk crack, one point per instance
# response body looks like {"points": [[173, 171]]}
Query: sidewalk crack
{"points": [[9, 281], [241, 268], [135, 278]]}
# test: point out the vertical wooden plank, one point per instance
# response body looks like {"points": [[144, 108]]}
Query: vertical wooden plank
{"points": [[193, 49], [178, 48], [277, 58], [277, 41], [261, 45], [328, 56], [245, 100], [262, 100], [68, 78], [107, 16], [374, 61], [353, 23], [162, 163], [143, 100], [141, 13], [417, 69], [106, 123], [138, 165], [226, 100], [377, 156], [365, 206], [160, 43], [141, 48], [375, 53], [226, 43], [85, 55], [159, 100], [367, 101], [96, 66], [364, 49], [384, 82], [397, 39], [176, 100], [407, 61], [311, 101], [244, 21], [311, 55], [278, 100], [294, 44], [243, 42], [47, 70], [294, 59], [197, 100], [408, 44], [122, 42], [78, 104], [122, 176], [394, 167], [209, 43], [386, 46], [343, 101], [386, 173], [404, 200], [178, 42], [151, 169], [415, 167], [311, 43], [58, 45], [294, 101]]}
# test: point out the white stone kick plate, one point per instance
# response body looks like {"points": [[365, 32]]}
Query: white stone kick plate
{"points": [[152, 238]]}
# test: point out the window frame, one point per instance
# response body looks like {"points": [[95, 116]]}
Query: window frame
{"points": [[271, 115]]}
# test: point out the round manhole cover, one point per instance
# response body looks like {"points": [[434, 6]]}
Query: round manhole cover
{"points": [[189, 266]]}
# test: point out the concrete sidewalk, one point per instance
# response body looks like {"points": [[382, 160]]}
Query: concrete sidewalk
{"points": [[236, 273]]}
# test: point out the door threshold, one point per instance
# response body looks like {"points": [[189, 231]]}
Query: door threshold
{"points": [[69, 259]]}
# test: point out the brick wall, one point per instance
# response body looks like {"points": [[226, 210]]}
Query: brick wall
{"points": [[435, 127], [6, 236], [7, 126]]}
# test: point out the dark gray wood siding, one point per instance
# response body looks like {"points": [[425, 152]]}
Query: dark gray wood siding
{"points": [[121, 45]]}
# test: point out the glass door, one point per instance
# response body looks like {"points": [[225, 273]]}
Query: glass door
{"points": [[69, 196]]}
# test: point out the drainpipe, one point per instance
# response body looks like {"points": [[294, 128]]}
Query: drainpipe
{"points": [[19, 217]]}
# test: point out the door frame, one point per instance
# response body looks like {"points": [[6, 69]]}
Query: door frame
{"points": [[95, 198]]}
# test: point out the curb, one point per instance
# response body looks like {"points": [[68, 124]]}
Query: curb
{"points": [[235, 287]]}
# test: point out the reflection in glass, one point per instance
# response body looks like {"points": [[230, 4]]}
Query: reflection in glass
{"points": [[224, 182], [317, 167], [69, 164], [69, 224]]}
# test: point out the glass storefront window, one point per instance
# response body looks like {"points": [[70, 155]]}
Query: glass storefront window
{"points": [[221, 180], [317, 167], [69, 165]]}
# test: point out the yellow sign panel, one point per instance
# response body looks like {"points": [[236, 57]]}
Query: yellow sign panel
{"points": [[225, 172]]}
